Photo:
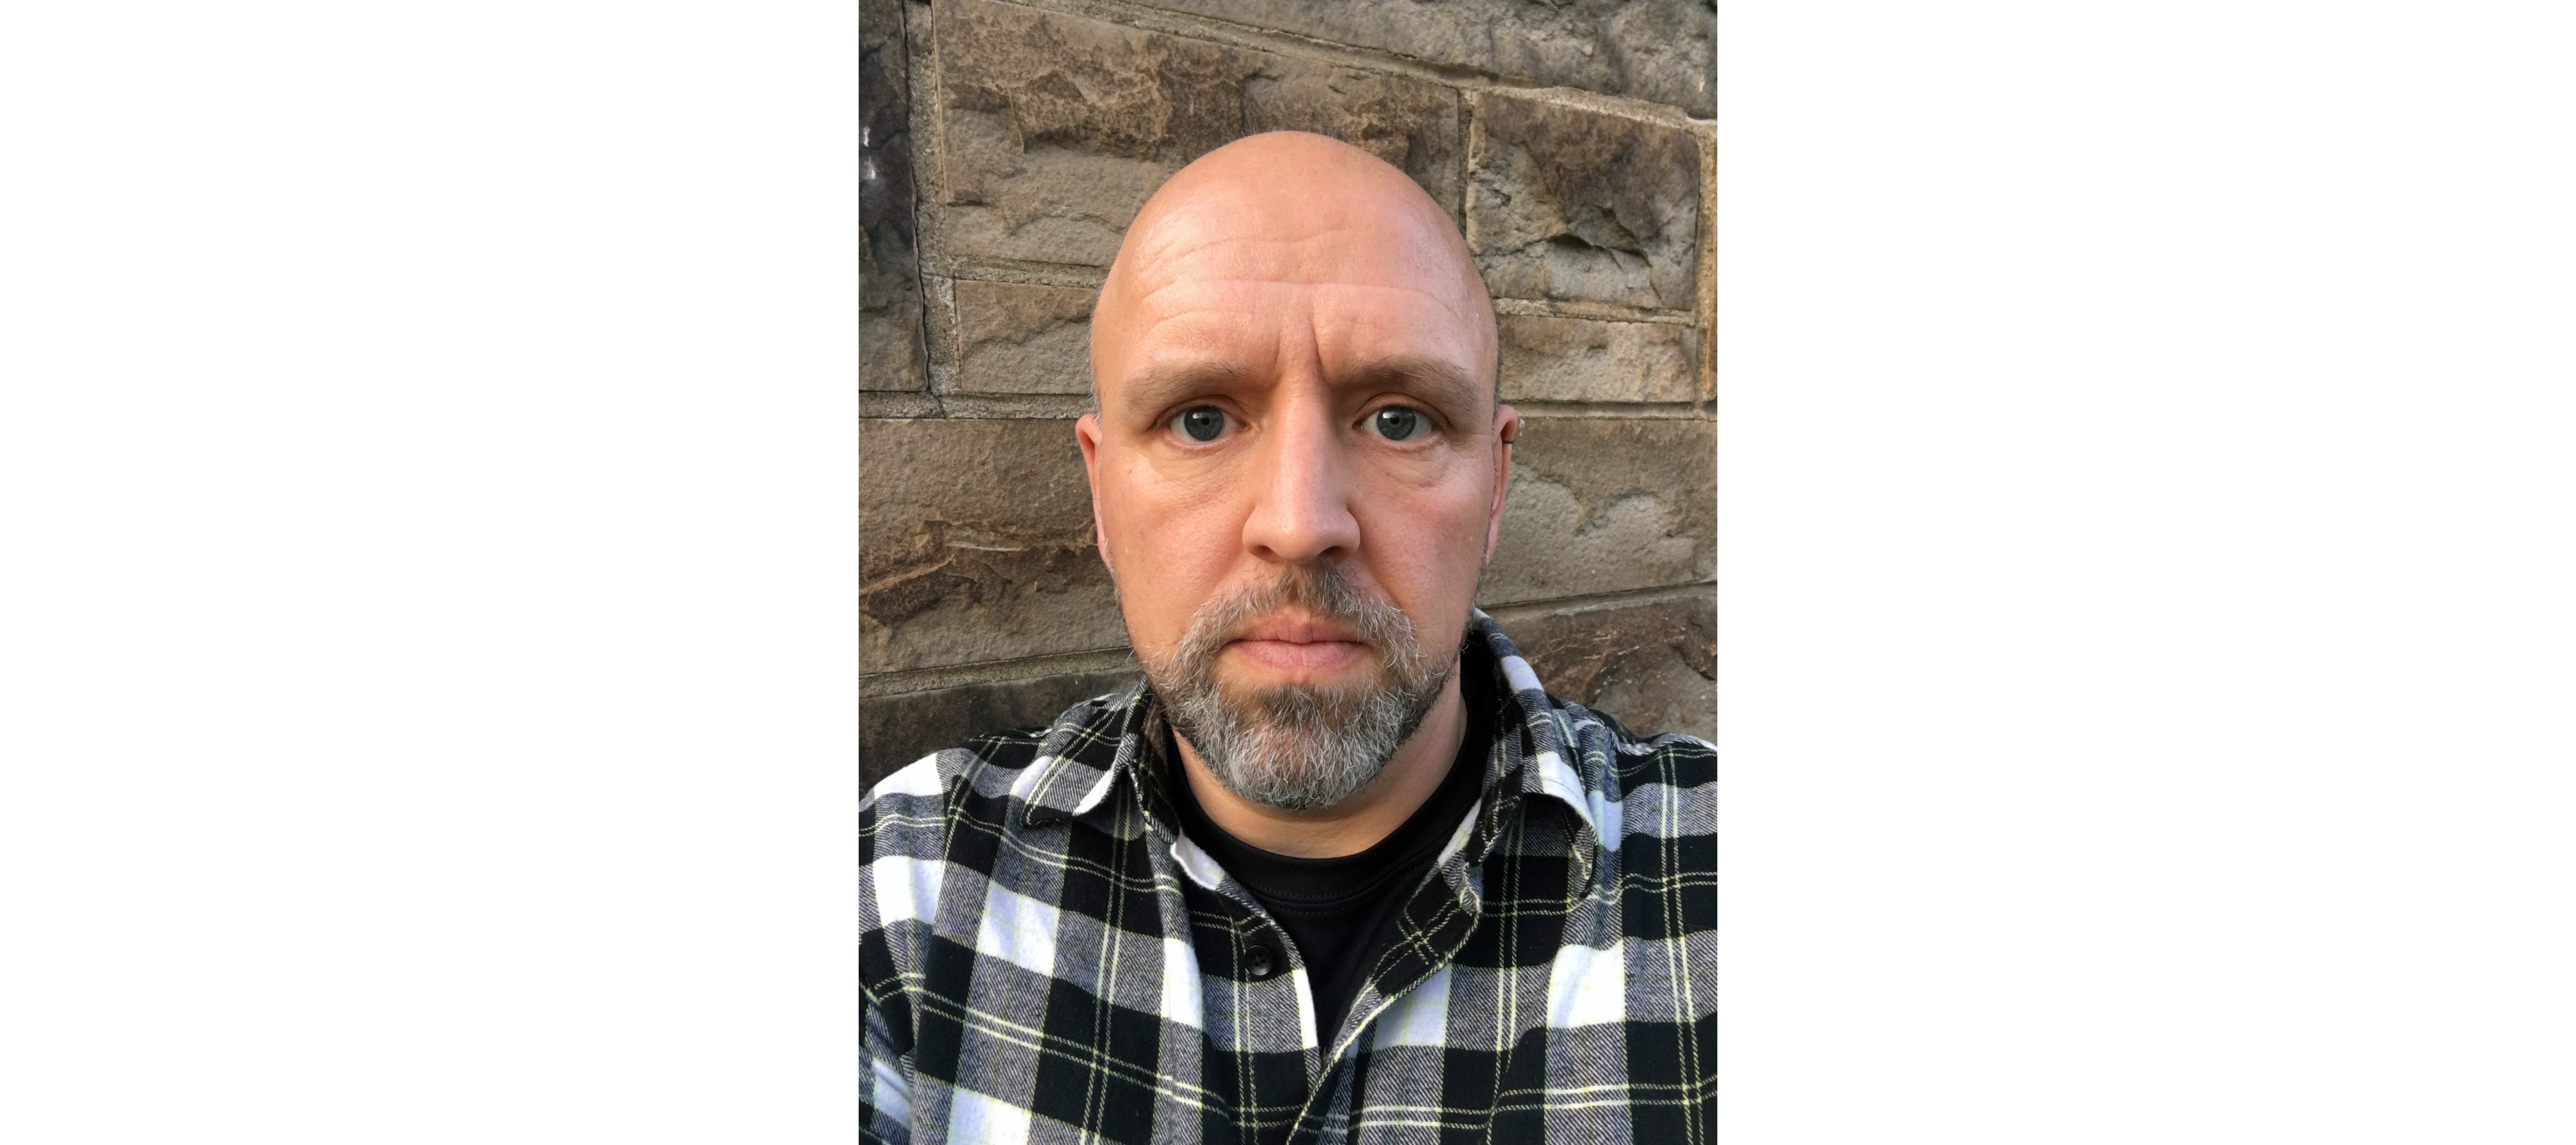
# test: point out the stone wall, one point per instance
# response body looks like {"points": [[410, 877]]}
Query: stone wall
{"points": [[1007, 145]]}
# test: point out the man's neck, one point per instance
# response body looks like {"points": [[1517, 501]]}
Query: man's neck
{"points": [[1356, 823]]}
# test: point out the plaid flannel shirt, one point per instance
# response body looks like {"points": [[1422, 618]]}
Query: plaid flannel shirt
{"points": [[1044, 958]]}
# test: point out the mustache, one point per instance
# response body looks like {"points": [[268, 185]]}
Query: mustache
{"points": [[1320, 590]]}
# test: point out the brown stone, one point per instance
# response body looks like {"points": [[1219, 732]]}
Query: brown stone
{"points": [[1055, 128], [1651, 666], [1606, 505], [1565, 203], [975, 543], [1659, 50], [1580, 359], [898, 729], [1015, 338], [889, 271]]}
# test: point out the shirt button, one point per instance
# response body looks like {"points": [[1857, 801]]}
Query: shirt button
{"points": [[1257, 961]]}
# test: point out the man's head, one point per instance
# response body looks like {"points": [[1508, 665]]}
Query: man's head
{"points": [[1297, 461]]}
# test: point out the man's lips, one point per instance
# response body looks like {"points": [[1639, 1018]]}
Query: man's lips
{"points": [[1295, 644], [1297, 630], [1301, 656]]}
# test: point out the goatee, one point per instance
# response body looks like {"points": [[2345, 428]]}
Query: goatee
{"points": [[1298, 747]]}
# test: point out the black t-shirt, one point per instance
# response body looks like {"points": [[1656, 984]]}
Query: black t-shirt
{"points": [[1341, 911]]}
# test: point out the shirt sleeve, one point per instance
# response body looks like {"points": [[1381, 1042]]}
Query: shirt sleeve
{"points": [[885, 1094], [899, 874]]}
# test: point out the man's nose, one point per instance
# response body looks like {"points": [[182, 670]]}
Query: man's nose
{"points": [[1301, 511]]}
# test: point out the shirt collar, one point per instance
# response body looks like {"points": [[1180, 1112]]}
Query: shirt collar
{"points": [[1082, 755], [1547, 759]]}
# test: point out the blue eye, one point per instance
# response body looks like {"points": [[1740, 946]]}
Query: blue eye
{"points": [[1200, 423], [1395, 423]]}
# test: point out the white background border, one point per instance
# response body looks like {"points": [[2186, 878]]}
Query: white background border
{"points": [[428, 650], [2145, 513]]}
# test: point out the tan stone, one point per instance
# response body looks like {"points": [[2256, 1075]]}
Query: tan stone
{"points": [[1547, 358], [1565, 203], [1055, 127], [898, 729], [1606, 505], [890, 348], [1014, 338], [1651, 666], [1659, 50], [890, 341], [975, 543]]}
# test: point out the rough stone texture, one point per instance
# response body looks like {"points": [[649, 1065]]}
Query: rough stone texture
{"points": [[1659, 50], [1055, 128], [1571, 204], [1652, 666], [889, 274], [896, 730], [1606, 505], [1581, 359], [975, 543], [1019, 339]]}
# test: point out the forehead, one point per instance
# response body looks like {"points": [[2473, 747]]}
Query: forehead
{"points": [[1255, 292]]}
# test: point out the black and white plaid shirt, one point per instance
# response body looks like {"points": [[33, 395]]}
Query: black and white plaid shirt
{"points": [[1044, 958]]}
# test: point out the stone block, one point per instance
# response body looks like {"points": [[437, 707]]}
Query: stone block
{"points": [[889, 272], [1664, 51], [1015, 338], [1055, 128], [1652, 666], [1564, 203], [1547, 358], [1606, 505], [975, 544], [896, 730]]}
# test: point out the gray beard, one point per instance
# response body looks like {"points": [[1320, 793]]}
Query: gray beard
{"points": [[1292, 747]]}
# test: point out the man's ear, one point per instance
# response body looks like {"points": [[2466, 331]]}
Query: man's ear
{"points": [[1507, 428], [1086, 432]]}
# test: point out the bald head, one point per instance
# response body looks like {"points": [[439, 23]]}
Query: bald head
{"points": [[1288, 209]]}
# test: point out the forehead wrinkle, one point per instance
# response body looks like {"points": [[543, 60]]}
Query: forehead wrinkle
{"points": [[1393, 288], [1451, 282], [1426, 365], [1159, 243], [1467, 316]]}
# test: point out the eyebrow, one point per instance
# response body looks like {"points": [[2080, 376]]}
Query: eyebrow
{"points": [[1156, 386], [1442, 383]]}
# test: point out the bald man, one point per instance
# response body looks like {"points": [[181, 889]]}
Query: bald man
{"points": [[1339, 868]]}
